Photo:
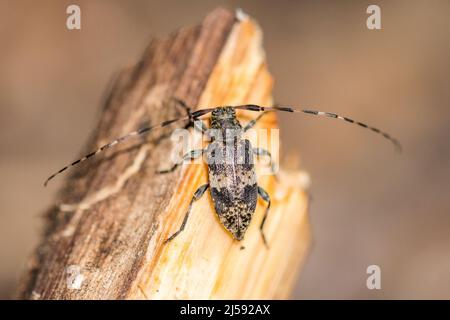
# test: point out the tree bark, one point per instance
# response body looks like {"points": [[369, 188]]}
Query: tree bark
{"points": [[104, 236]]}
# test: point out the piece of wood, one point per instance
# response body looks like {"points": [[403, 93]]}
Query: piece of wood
{"points": [[104, 238]]}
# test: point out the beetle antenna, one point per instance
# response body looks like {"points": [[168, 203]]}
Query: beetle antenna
{"points": [[387, 136], [117, 141]]}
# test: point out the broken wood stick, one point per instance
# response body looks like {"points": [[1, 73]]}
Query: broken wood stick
{"points": [[104, 237]]}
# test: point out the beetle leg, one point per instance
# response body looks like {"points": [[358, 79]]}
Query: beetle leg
{"points": [[265, 196], [200, 126], [191, 155], [264, 152], [252, 123], [197, 195]]}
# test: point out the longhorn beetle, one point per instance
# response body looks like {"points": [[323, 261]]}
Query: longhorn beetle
{"points": [[232, 178]]}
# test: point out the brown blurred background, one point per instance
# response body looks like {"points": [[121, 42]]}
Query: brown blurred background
{"points": [[371, 205]]}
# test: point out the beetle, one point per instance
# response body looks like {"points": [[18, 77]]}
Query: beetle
{"points": [[230, 159]]}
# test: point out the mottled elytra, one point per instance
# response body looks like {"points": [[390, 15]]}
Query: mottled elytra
{"points": [[230, 158]]}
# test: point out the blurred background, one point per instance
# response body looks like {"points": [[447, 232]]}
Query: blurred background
{"points": [[371, 205]]}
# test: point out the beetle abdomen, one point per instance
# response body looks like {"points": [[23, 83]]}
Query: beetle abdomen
{"points": [[233, 185]]}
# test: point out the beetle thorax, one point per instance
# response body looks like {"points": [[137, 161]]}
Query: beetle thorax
{"points": [[225, 125]]}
